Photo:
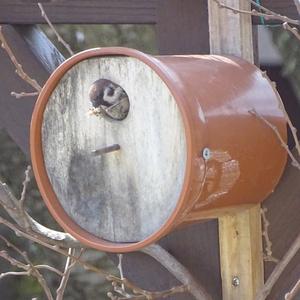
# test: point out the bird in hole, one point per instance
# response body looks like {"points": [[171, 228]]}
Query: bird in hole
{"points": [[108, 99]]}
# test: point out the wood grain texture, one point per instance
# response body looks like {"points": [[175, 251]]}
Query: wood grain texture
{"points": [[241, 253], [123, 196], [230, 33], [80, 12], [128, 11]]}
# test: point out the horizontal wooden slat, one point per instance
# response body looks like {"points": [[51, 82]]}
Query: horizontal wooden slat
{"points": [[87, 12], [106, 11]]}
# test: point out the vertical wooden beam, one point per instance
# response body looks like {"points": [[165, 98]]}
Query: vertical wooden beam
{"points": [[240, 235]]}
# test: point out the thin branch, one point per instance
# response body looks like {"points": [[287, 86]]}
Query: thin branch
{"points": [[58, 36], [24, 220], [268, 256], [19, 68], [120, 268], [49, 268], [297, 3], [293, 30], [280, 267], [177, 270], [68, 268], [24, 273], [24, 94], [286, 115], [87, 266], [295, 163], [138, 293], [25, 186], [28, 267], [294, 291], [254, 12]]}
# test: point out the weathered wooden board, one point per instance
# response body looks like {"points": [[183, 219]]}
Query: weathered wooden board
{"points": [[123, 196], [80, 12], [122, 11]]}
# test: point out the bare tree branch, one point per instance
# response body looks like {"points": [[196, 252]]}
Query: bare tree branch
{"points": [[59, 38], [143, 294], [23, 219], [24, 94], [68, 268], [268, 256], [297, 3], [295, 163], [19, 68], [177, 270], [28, 267], [49, 268], [268, 14], [293, 30], [25, 186], [266, 289], [294, 291]]}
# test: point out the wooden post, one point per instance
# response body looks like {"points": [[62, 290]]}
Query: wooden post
{"points": [[240, 237]]}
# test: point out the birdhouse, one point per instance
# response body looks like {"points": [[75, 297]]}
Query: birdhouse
{"points": [[127, 147]]}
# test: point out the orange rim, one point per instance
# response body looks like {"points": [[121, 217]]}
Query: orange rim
{"points": [[39, 168]]}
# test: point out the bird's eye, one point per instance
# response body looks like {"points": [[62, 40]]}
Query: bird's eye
{"points": [[110, 91]]}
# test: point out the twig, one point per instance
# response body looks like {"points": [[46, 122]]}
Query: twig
{"points": [[53, 239], [25, 186], [24, 94], [19, 68], [253, 12], [268, 247], [59, 38], [266, 289], [177, 270], [91, 267], [286, 115], [294, 291], [297, 3], [24, 273], [46, 267], [143, 294], [28, 267], [68, 268], [295, 163], [11, 205], [120, 268], [293, 30]]}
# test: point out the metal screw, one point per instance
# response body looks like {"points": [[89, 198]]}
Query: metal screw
{"points": [[206, 153], [235, 281]]}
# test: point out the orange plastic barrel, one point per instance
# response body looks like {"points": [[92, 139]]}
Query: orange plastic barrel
{"points": [[232, 160]]}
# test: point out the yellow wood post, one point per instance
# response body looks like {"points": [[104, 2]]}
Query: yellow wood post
{"points": [[240, 237], [241, 254]]}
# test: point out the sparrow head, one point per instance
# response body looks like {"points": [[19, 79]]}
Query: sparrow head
{"points": [[101, 89], [110, 98]]}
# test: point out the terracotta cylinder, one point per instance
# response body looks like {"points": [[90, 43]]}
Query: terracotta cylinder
{"points": [[232, 158]]}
